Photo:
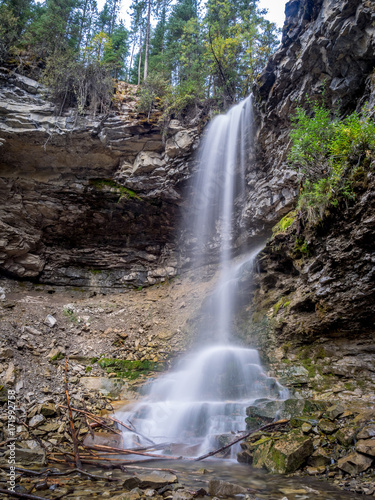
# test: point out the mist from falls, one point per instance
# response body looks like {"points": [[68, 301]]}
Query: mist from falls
{"points": [[203, 401]]}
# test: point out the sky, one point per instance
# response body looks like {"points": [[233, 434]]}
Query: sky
{"points": [[275, 10]]}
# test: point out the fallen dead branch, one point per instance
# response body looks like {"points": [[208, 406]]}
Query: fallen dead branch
{"points": [[50, 473], [72, 429], [99, 447], [21, 495], [244, 436], [130, 429]]}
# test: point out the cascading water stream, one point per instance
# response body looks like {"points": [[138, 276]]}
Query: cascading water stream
{"points": [[205, 398]]}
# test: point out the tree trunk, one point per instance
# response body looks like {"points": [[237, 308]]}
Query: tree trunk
{"points": [[140, 58], [147, 39]]}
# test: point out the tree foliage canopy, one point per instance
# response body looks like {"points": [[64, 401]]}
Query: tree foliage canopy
{"points": [[212, 50]]}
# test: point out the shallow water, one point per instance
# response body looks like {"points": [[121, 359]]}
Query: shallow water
{"points": [[265, 486]]}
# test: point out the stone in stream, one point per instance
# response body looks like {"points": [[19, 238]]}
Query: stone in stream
{"points": [[30, 457], [283, 456], [155, 479], [219, 488], [355, 463]]}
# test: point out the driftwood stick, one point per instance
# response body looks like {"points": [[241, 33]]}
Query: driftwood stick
{"points": [[72, 429], [99, 447], [65, 473], [91, 416], [21, 495], [130, 429], [244, 436]]}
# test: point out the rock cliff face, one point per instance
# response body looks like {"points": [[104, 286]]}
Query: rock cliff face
{"points": [[312, 307], [326, 45], [87, 200]]}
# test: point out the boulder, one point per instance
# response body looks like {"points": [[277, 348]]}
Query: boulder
{"points": [[107, 387], [283, 456], [355, 463], [180, 142], [366, 446]]}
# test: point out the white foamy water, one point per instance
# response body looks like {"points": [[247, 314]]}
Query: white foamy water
{"points": [[199, 404]]}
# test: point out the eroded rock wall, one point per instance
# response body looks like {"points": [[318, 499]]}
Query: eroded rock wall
{"points": [[327, 46], [88, 200], [310, 309]]}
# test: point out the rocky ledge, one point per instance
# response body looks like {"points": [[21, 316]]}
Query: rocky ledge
{"points": [[88, 200]]}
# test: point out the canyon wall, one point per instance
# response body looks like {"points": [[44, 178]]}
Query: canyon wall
{"points": [[311, 308], [85, 200]]}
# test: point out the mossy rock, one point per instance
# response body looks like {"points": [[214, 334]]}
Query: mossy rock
{"points": [[285, 455]]}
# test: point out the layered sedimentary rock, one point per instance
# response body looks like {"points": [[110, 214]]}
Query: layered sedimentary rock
{"points": [[312, 313], [328, 46], [88, 200]]}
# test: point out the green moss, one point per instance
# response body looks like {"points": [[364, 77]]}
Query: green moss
{"points": [[95, 271], [302, 247], [57, 356], [93, 360], [130, 369], [284, 223], [121, 190], [88, 369]]}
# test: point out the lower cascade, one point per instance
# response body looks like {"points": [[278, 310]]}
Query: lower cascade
{"points": [[199, 405]]}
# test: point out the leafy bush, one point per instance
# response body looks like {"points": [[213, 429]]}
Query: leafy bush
{"points": [[327, 151], [76, 83], [153, 90]]}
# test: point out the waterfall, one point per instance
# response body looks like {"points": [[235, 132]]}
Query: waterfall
{"points": [[204, 399]]}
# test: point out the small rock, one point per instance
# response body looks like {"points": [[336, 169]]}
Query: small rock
{"points": [[306, 428], [155, 479], [48, 410], [30, 457], [50, 320], [181, 495], [345, 436], [334, 411], [355, 463], [219, 488], [10, 375], [367, 432], [36, 420], [319, 458], [6, 353], [313, 471], [327, 426]]}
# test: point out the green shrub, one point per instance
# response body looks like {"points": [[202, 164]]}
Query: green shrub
{"points": [[327, 151]]}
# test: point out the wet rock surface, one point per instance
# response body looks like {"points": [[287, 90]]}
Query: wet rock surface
{"points": [[312, 312]]}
